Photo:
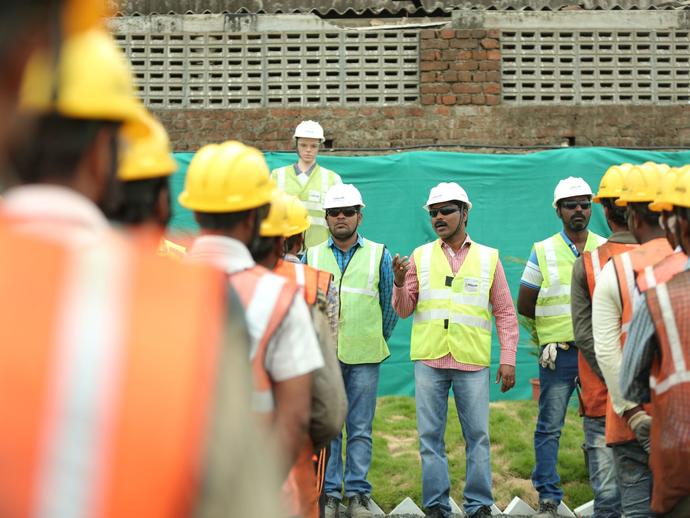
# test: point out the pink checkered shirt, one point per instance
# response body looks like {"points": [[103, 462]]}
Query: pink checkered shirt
{"points": [[405, 301]]}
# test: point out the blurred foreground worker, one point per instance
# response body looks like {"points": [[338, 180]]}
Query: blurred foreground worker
{"points": [[586, 270], [544, 298], [613, 301], [453, 286], [362, 270], [656, 359], [308, 180], [229, 189], [329, 402]]}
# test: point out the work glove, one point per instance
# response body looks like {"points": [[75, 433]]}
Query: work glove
{"points": [[641, 424], [548, 354]]}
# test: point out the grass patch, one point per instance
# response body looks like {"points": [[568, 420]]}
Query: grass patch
{"points": [[396, 470]]}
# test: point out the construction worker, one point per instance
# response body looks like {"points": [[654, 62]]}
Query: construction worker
{"points": [[586, 270], [308, 180], [613, 300], [229, 189], [363, 271], [544, 299], [288, 217], [654, 368], [453, 286]]}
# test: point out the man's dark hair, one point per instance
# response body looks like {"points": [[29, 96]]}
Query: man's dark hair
{"points": [[20, 15], [221, 220], [650, 217], [263, 248], [139, 200], [56, 147], [616, 213], [291, 241], [463, 206]]}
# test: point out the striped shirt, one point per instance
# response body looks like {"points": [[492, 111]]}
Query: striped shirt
{"points": [[405, 301]]}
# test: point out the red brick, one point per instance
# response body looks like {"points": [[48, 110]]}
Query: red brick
{"points": [[466, 65], [448, 99], [465, 99], [447, 34], [429, 77], [479, 55], [464, 34], [465, 55], [434, 88], [494, 33], [489, 65], [467, 88], [464, 44], [465, 75], [426, 66], [492, 100], [489, 43], [493, 55], [430, 55], [434, 44], [443, 111], [449, 55], [479, 77], [427, 34], [493, 75], [478, 33], [428, 99], [478, 99], [492, 88], [450, 76]]}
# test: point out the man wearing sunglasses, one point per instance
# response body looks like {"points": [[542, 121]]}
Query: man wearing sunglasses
{"points": [[453, 286], [544, 299], [363, 271]]}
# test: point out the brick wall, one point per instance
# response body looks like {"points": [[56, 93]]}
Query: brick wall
{"points": [[393, 126]]}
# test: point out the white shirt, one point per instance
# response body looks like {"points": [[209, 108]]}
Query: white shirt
{"points": [[607, 309], [293, 350], [56, 213]]}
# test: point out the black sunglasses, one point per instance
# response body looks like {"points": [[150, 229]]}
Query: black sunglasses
{"points": [[445, 211], [572, 204], [348, 212]]}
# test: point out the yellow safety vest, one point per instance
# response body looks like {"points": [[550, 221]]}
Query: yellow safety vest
{"points": [[555, 258], [360, 327], [453, 311], [312, 194]]}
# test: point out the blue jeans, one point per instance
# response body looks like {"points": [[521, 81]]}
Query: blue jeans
{"points": [[360, 385], [471, 392], [555, 389], [602, 470], [634, 479]]}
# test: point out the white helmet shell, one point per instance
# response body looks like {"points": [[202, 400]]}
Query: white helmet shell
{"points": [[447, 191], [342, 195], [571, 186], [309, 129]]}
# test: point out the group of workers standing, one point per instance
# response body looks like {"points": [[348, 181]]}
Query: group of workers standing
{"points": [[218, 384]]}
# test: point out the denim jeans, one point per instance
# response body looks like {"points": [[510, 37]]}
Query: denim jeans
{"points": [[634, 479], [602, 470], [555, 389], [471, 392], [361, 382]]}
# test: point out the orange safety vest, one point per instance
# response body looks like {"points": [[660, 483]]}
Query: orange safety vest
{"points": [[108, 367], [669, 459], [662, 271], [628, 265], [594, 392], [300, 488]]}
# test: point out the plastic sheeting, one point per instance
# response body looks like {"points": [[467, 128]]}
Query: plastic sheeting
{"points": [[511, 197]]}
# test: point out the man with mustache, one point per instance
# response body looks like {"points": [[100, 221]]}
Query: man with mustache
{"points": [[453, 286], [544, 299]]}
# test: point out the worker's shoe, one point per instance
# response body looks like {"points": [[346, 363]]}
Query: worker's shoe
{"points": [[547, 509], [332, 508], [436, 512], [483, 512], [359, 507]]}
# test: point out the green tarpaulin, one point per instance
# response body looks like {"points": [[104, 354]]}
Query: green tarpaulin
{"points": [[511, 197]]}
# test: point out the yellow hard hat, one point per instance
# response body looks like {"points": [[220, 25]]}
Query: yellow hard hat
{"points": [[81, 15], [641, 184], [611, 183], [286, 218], [668, 181], [680, 195], [147, 156], [227, 177], [92, 80]]}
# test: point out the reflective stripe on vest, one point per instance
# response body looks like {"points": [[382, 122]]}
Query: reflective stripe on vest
{"points": [[669, 308], [360, 328], [595, 260], [553, 319], [311, 194], [453, 311], [662, 271], [266, 299], [309, 279]]}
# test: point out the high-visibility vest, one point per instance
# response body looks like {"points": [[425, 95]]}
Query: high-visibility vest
{"points": [[453, 311], [552, 316], [109, 366], [360, 328], [266, 299], [628, 265], [310, 280], [172, 250], [594, 390], [669, 458], [312, 195], [661, 271]]}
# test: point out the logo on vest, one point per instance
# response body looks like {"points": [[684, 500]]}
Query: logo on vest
{"points": [[471, 285], [314, 196]]}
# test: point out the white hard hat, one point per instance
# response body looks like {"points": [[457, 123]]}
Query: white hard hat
{"points": [[342, 195], [571, 186], [309, 129], [447, 191]]}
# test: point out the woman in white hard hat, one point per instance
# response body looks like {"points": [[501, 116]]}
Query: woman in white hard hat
{"points": [[308, 180]]}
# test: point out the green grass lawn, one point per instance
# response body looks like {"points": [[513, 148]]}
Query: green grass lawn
{"points": [[396, 470]]}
